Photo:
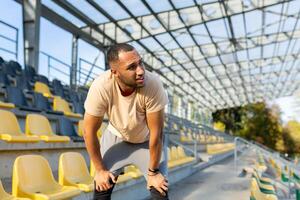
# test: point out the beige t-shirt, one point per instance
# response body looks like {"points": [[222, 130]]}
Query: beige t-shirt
{"points": [[127, 115]]}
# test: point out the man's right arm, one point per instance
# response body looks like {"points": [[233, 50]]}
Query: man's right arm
{"points": [[91, 126]]}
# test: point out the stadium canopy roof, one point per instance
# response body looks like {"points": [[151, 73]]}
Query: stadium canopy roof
{"points": [[219, 54]]}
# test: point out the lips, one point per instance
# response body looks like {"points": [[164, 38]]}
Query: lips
{"points": [[140, 80]]}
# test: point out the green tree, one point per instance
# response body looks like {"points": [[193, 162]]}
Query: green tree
{"points": [[254, 122]]}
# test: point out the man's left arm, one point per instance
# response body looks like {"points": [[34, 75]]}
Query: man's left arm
{"points": [[155, 121]]}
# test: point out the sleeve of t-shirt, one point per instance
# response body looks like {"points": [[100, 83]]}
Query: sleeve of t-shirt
{"points": [[156, 97], [95, 103]]}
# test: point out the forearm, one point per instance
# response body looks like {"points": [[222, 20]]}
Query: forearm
{"points": [[91, 126], [93, 148], [155, 148]]}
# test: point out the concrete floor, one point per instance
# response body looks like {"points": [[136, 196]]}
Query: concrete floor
{"points": [[217, 182]]}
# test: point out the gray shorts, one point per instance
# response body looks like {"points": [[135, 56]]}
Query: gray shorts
{"points": [[117, 154]]}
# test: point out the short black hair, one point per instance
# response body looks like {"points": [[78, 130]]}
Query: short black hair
{"points": [[113, 51]]}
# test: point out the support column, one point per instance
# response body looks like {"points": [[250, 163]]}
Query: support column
{"points": [[73, 70], [105, 59], [31, 27]]}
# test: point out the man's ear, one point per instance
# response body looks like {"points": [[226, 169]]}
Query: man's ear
{"points": [[113, 69]]}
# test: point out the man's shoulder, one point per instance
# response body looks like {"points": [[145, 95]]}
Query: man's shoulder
{"points": [[104, 80]]}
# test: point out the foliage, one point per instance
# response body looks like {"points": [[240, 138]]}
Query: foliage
{"points": [[254, 122]]}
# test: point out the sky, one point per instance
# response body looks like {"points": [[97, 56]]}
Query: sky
{"points": [[56, 42]]}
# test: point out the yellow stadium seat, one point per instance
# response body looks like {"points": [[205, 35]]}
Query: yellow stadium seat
{"points": [[92, 169], [122, 178], [80, 129], [43, 89], [219, 148], [182, 156], [74, 172], [62, 105], [5, 196], [174, 157], [39, 125], [6, 105], [33, 178], [132, 171], [10, 130], [263, 184], [260, 194]]}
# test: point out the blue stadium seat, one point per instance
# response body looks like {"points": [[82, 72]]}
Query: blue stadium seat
{"points": [[4, 81], [73, 96], [12, 68], [40, 102], [82, 96], [30, 73], [1, 60], [17, 97], [23, 83], [42, 79], [66, 128], [78, 107], [58, 88]]}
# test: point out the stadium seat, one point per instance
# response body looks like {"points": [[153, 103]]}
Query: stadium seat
{"points": [[5, 196], [262, 183], [1, 60], [66, 128], [73, 171], [173, 158], [39, 125], [121, 178], [23, 83], [17, 97], [40, 102], [62, 105], [258, 193], [183, 156], [219, 148], [132, 171], [58, 88], [6, 105], [42, 79], [10, 130], [43, 89], [78, 107], [4, 81], [73, 96], [33, 178], [30, 73]]}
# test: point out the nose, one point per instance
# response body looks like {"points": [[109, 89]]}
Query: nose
{"points": [[140, 70]]}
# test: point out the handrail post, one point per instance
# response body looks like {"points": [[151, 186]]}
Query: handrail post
{"points": [[235, 153]]}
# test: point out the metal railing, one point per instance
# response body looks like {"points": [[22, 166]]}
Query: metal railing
{"points": [[85, 74], [14, 40], [56, 65]]}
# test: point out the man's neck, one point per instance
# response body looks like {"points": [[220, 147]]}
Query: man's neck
{"points": [[125, 90]]}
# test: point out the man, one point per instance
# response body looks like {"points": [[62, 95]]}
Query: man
{"points": [[134, 101]]}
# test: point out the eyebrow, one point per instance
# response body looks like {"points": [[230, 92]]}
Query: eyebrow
{"points": [[134, 63]]}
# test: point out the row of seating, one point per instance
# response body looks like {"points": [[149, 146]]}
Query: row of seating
{"points": [[38, 128], [177, 156], [219, 148], [16, 97], [22, 85], [200, 138], [33, 177], [24, 79], [262, 188]]}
